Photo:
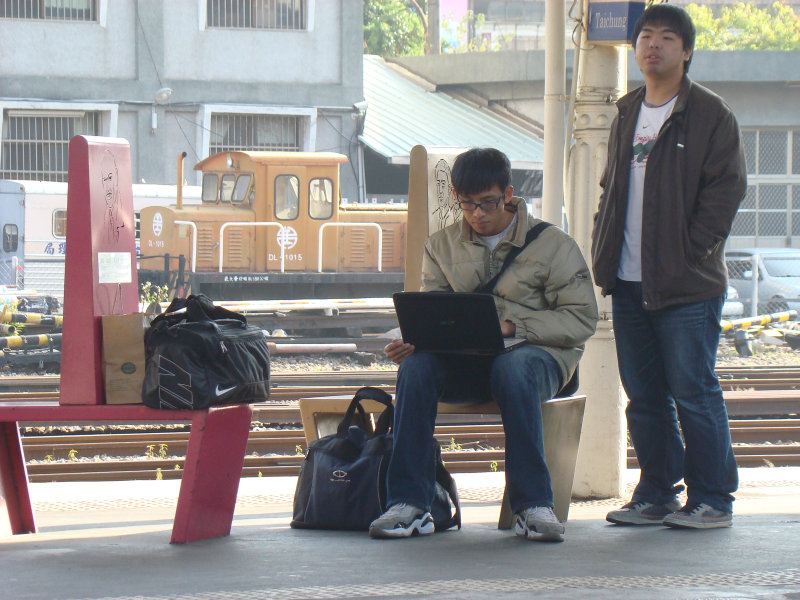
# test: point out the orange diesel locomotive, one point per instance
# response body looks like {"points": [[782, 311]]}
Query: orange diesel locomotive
{"points": [[271, 225]]}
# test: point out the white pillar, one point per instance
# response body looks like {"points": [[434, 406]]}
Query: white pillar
{"points": [[601, 462], [554, 106]]}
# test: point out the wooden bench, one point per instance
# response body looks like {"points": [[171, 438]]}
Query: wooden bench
{"points": [[212, 470], [562, 421]]}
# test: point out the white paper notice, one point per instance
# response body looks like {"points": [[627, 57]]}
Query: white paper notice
{"points": [[114, 267]]}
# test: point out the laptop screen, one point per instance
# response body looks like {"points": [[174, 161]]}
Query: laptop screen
{"points": [[449, 322]]}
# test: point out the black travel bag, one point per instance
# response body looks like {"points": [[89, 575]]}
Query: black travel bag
{"points": [[199, 355], [342, 482]]}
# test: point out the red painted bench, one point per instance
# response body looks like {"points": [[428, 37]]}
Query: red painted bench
{"points": [[213, 467]]}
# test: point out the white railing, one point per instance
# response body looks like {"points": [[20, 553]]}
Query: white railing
{"points": [[380, 240], [247, 224], [194, 241]]}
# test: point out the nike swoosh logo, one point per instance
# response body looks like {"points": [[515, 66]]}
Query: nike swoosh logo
{"points": [[222, 392]]}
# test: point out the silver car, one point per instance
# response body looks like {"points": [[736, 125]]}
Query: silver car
{"points": [[733, 307], [778, 280]]}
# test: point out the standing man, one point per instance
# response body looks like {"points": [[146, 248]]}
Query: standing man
{"points": [[545, 295], [673, 183]]}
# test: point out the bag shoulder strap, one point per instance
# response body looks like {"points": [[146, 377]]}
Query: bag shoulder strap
{"points": [[533, 233], [446, 480]]}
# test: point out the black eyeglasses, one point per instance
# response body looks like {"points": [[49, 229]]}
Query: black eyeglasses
{"points": [[485, 206]]}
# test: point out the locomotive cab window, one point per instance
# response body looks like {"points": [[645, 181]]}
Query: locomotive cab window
{"points": [[226, 188], [287, 197], [60, 223], [320, 198], [240, 189], [10, 238], [210, 183]]}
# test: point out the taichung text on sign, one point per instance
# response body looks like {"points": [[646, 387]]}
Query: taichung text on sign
{"points": [[611, 22]]}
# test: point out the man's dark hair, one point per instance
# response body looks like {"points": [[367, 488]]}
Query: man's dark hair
{"points": [[674, 17], [480, 169]]}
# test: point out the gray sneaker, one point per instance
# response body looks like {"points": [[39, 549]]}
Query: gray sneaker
{"points": [[697, 515], [402, 520], [539, 523], [637, 512]]}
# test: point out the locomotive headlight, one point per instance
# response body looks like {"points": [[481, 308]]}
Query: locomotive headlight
{"points": [[229, 161]]}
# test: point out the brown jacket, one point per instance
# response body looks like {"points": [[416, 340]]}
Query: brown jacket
{"points": [[546, 291], [695, 180]]}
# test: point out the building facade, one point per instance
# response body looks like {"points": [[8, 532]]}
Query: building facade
{"points": [[195, 76]]}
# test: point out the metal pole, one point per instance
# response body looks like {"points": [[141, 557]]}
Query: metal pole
{"points": [[601, 464], [554, 106], [756, 259]]}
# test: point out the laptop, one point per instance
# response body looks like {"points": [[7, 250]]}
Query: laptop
{"points": [[451, 323]]}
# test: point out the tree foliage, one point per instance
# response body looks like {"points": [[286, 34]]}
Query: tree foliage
{"points": [[392, 28], [480, 43], [746, 27]]}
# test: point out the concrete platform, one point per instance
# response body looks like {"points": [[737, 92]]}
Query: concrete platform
{"points": [[110, 541]]}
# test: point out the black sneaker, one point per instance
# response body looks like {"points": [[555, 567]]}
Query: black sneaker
{"points": [[698, 515], [637, 512]]}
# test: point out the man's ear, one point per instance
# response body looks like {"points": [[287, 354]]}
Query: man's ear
{"points": [[508, 194]]}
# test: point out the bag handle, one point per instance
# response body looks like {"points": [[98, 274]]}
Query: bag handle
{"points": [[199, 308], [533, 233], [368, 393]]}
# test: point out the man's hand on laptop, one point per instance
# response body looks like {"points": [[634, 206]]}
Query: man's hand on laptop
{"points": [[508, 328], [397, 351]]}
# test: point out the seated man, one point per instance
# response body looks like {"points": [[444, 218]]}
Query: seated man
{"points": [[545, 295]]}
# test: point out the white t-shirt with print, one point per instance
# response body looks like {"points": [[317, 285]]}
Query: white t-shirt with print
{"points": [[493, 240], [651, 118]]}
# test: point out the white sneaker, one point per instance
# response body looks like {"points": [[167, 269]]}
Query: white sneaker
{"points": [[402, 520], [539, 523]]}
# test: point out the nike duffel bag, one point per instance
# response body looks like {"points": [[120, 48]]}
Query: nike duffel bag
{"points": [[198, 355]]}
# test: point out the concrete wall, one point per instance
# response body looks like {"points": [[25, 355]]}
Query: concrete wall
{"points": [[140, 46]]}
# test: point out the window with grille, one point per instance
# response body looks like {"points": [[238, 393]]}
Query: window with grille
{"points": [[771, 207], [53, 10], [36, 143], [231, 132], [256, 14]]}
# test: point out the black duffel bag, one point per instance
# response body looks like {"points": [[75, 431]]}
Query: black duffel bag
{"points": [[198, 355], [342, 481]]}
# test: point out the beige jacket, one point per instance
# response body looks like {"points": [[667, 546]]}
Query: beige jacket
{"points": [[546, 291]]}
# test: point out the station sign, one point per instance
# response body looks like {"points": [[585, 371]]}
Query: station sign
{"points": [[612, 21]]}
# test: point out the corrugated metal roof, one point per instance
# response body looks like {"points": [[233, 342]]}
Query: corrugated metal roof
{"points": [[402, 114]]}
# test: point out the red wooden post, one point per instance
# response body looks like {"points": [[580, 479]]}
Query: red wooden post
{"points": [[14, 483], [211, 473], [100, 264]]}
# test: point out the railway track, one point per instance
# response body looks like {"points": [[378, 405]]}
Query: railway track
{"points": [[466, 448], [108, 452]]}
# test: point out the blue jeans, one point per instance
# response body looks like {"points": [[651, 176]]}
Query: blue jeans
{"points": [[666, 362], [519, 381]]}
